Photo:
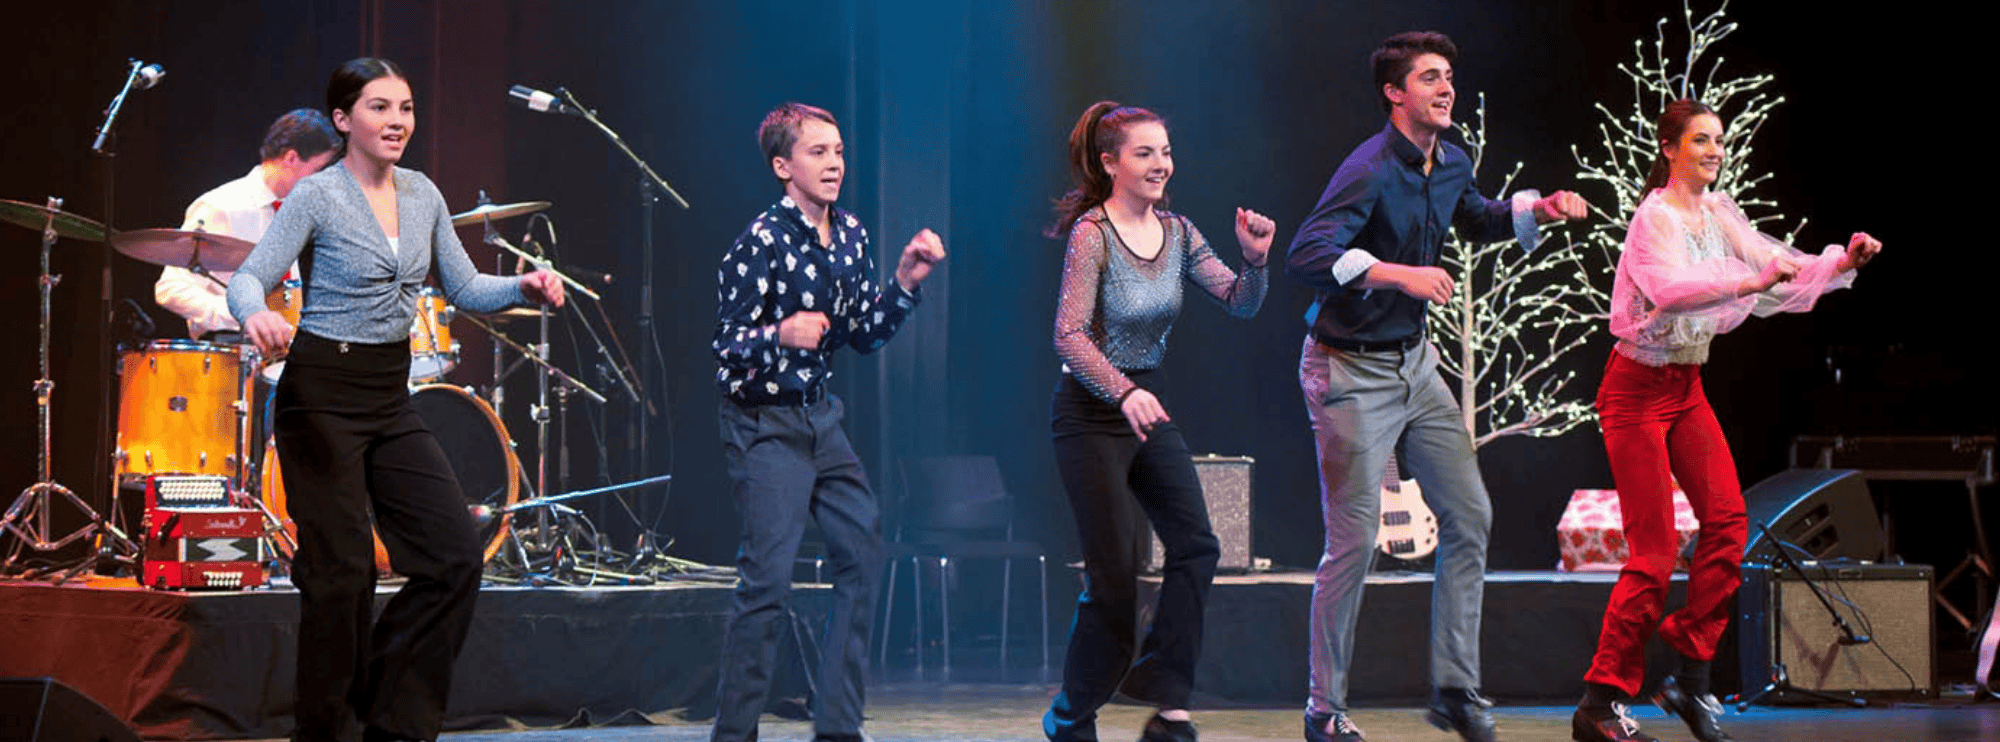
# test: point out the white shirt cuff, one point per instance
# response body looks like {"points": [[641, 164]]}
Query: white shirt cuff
{"points": [[1352, 264], [1526, 231]]}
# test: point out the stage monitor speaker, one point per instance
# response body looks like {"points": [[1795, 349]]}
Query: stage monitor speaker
{"points": [[1782, 621], [46, 710], [1826, 512], [1225, 485]]}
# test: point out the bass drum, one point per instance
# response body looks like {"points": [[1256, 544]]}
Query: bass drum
{"points": [[474, 441], [480, 452]]}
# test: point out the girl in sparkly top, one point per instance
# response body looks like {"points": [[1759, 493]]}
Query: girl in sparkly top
{"points": [[1693, 267], [1119, 453]]}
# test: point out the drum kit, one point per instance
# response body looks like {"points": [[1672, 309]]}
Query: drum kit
{"points": [[185, 413]]}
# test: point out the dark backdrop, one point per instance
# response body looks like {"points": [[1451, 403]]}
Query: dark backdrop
{"points": [[954, 116]]}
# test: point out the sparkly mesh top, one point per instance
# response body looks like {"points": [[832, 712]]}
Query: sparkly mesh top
{"points": [[1116, 308], [1675, 289]]}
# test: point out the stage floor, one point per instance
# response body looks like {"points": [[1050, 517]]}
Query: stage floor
{"points": [[910, 712]]}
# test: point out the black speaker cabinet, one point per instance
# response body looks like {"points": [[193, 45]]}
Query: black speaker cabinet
{"points": [[46, 710], [1826, 512], [1783, 622], [1225, 484]]}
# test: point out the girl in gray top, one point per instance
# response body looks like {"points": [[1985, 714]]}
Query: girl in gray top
{"points": [[1117, 450], [365, 233]]}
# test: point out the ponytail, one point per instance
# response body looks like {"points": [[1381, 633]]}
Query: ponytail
{"points": [[1100, 129]]}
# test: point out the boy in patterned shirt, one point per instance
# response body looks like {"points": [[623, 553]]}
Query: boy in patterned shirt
{"points": [[798, 284]]}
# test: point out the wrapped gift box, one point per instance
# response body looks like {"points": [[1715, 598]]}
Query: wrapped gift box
{"points": [[1592, 532]]}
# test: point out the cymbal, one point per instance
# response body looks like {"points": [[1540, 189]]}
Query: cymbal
{"points": [[495, 212], [509, 315], [36, 217], [178, 248]]}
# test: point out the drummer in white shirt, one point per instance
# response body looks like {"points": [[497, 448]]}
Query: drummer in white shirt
{"points": [[298, 144]]}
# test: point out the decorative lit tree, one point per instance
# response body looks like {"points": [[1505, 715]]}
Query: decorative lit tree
{"points": [[1630, 141], [1513, 318]]}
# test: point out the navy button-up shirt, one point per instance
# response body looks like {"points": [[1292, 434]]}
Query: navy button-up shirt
{"points": [[1380, 206], [778, 268]]}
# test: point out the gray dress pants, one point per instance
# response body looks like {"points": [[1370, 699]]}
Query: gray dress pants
{"points": [[1366, 407]]}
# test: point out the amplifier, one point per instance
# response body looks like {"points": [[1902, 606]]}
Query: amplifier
{"points": [[1784, 622], [1226, 486], [203, 548]]}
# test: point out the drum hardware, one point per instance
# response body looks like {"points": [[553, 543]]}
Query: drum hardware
{"points": [[563, 557], [559, 544], [433, 352], [29, 518], [546, 535], [493, 238]]}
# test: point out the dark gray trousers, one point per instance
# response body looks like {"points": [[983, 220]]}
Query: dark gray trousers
{"points": [[790, 464]]}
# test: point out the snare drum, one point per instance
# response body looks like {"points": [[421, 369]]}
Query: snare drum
{"points": [[432, 351], [289, 300], [182, 410]]}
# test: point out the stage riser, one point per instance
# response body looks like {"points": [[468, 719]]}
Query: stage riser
{"points": [[1537, 641], [538, 656]]}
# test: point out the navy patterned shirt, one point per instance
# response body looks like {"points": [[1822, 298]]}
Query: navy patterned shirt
{"points": [[778, 268]]}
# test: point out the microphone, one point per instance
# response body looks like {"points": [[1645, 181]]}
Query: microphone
{"points": [[594, 275], [149, 75], [482, 514], [141, 77], [536, 100]]}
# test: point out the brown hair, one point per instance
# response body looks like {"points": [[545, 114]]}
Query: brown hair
{"points": [[305, 131], [1672, 123], [1397, 54], [1100, 129], [780, 129]]}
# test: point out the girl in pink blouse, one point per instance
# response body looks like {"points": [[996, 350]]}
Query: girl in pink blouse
{"points": [[1693, 267]]}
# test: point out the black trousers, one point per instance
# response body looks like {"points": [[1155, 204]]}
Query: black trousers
{"points": [[350, 442], [1116, 485]]}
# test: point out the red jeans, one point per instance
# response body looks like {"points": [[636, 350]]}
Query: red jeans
{"points": [[1657, 423]]}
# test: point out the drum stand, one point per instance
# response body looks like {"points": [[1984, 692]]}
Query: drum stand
{"points": [[550, 539], [32, 513]]}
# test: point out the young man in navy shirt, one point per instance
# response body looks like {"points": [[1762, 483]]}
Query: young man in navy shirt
{"points": [[1370, 249]]}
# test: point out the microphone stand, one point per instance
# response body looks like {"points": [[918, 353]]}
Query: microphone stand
{"points": [[1781, 681], [649, 183], [101, 469]]}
